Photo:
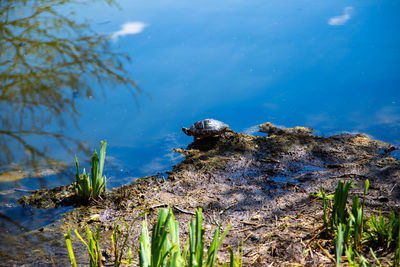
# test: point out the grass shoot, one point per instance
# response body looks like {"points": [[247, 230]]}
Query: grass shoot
{"points": [[118, 249], [69, 247], [352, 233], [163, 249], [91, 187]]}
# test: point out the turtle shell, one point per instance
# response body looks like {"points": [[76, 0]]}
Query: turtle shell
{"points": [[208, 126]]}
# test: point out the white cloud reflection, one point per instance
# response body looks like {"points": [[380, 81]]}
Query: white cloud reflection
{"points": [[388, 115], [251, 130], [133, 27], [342, 19], [167, 156]]}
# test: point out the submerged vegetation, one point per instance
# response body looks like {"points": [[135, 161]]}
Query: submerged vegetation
{"points": [[163, 249], [92, 186], [47, 60]]}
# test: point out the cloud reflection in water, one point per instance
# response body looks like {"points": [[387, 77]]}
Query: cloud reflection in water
{"points": [[128, 28], [342, 19]]}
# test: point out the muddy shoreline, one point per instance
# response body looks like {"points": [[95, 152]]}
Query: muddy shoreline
{"points": [[259, 184]]}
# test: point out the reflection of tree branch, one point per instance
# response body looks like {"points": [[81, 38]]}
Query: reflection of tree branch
{"points": [[34, 151], [45, 57], [14, 222]]}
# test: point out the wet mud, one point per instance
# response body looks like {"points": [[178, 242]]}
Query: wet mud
{"points": [[259, 184]]}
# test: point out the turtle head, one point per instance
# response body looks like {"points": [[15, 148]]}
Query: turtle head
{"points": [[186, 131]]}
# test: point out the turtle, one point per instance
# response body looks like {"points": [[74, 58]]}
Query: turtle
{"points": [[206, 128]]}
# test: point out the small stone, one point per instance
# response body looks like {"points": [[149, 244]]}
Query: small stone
{"points": [[94, 218], [256, 218]]}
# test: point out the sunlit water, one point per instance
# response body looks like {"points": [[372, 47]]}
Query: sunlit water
{"points": [[329, 65]]}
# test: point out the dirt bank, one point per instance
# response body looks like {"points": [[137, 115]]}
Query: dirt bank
{"points": [[259, 184]]}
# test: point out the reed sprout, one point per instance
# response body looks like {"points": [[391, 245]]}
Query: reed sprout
{"points": [[352, 232], [92, 186], [235, 260], [163, 248], [67, 237], [117, 249]]}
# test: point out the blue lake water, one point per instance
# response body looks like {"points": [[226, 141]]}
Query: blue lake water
{"points": [[329, 65], [332, 66], [248, 63]]}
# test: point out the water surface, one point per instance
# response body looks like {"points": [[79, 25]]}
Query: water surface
{"points": [[329, 65]]}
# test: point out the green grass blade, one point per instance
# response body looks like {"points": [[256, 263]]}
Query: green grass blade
{"points": [[125, 244], [339, 212], [87, 185], [145, 249], [96, 183], [174, 259], [199, 249], [232, 259], [103, 145], [69, 247], [173, 227], [92, 247], [164, 247], [351, 257], [77, 169], [95, 165], [79, 236], [192, 244], [114, 243], [396, 261], [213, 249], [357, 222], [129, 256], [101, 180], [339, 245], [362, 260], [366, 187], [98, 189], [336, 200], [185, 252], [215, 245], [97, 245], [159, 239], [325, 206], [235, 261], [84, 185], [221, 239], [375, 258], [88, 245]]}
